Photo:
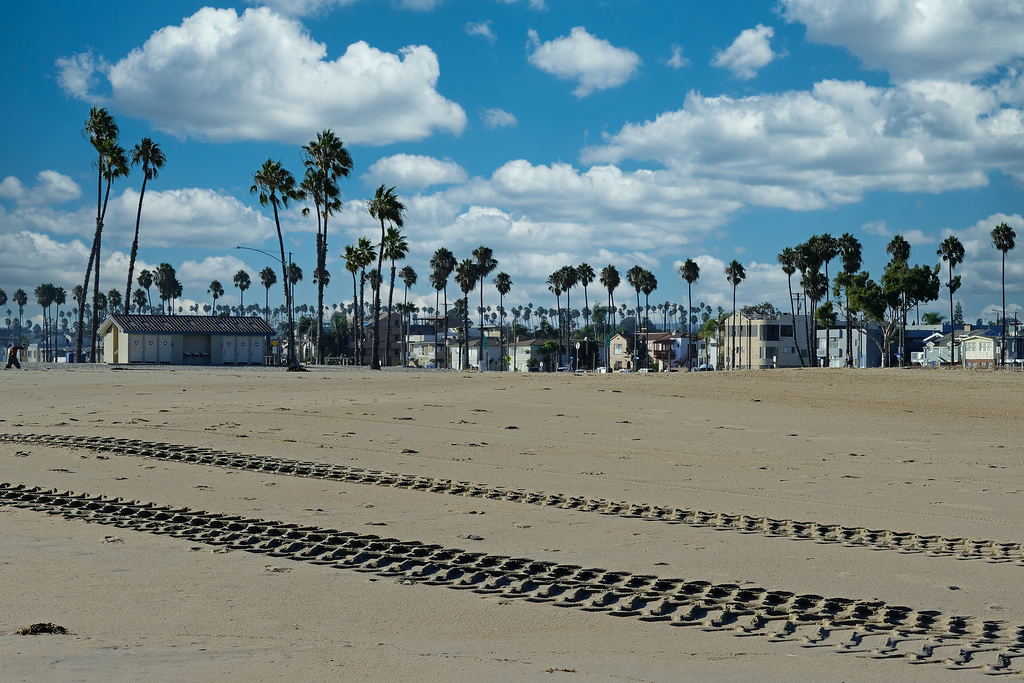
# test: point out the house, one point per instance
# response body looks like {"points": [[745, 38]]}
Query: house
{"points": [[981, 350], [866, 342], [185, 339], [759, 342]]}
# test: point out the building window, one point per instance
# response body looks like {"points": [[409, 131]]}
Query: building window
{"points": [[618, 349], [786, 331], [788, 349], [771, 333]]}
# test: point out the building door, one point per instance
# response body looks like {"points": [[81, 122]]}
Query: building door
{"points": [[151, 342], [165, 348]]}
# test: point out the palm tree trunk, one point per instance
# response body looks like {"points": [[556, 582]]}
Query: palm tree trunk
{"points": [[387, 334], [375, 357], [135, 242], [792, 311]]}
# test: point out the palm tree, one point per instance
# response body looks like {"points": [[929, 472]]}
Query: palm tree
{"points": [[502, 283], [268, 278], [367, 255], [152, 158], [570, 278], [395, 248], [326, 161], [735, 274], [44, 297], [20, 298], [409, 278], [485, 265], [648, 284], [690, 272], [466, 279], [102, 131], [139, 299], [242, 281], [899, 249], [145, 280], [850, 251], [635, 278], [385, 206], [60, 297], [611, 280], [353, 262], [586, 275], [1003, 238], [443, 264], [787, 259], [952, 252], [276, 186], [556, 285], [217, 290], [113, 300]]}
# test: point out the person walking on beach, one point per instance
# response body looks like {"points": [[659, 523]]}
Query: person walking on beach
{"points": [[12, 357]]}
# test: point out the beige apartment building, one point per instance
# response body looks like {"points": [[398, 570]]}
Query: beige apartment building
{"points": [[762, 342]]}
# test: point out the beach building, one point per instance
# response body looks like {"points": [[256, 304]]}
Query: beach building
{"points": [[760, 342], [867, 345], [981, 350], [185, 339]]}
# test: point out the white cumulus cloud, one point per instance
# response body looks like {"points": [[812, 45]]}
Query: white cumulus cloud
{"points": [[946, 39], [414, 171], [51, 188], [259, 76], [480, 28], [498, 118], [594, 63], [751, 51]]}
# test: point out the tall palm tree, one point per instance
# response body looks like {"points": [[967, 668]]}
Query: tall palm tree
{"points": [[102, 131], [242, 281], [145, 280], [635, 278], [442, 263], [385, 207], [502, 283], [328, 160], [20, 298], [1003, 238], [367, 255], [113, 300], [485, 265], [735, 274], [952, 252], [556, 285], [850, 251], [275, 186], [690, 272], [395, 248], [217, 290], [570, 278], [466, 279], [44, 297], [353, 261], [60, 297], [899, 249], [268, 279], [586, 275], [610, 279], [409, 278], [787, 259], [152, 158]]}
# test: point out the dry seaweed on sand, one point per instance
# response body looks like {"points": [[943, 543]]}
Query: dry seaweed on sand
{"points": [[40, 629]]}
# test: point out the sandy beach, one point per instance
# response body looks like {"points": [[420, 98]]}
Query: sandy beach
{"points": [[826, 525]]}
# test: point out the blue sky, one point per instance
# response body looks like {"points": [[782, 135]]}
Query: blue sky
{"points": [[553, 131]]}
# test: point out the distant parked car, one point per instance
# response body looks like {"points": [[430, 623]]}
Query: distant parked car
{"points": [[707, 367], [564, 368], [533, 369]]}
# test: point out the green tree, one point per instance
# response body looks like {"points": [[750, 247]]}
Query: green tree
{"points": [[111, 163], [114, 301], [384, 207], [610, 279], [217, 290], [485, 265], [735, 274], [1004, 239], [952, 252], [268, 279], [690, 272], [787, 259], [21, 299], [851, 252], [139, 299], [466, 278], [151, 157], [396, 248], [242, 281], [327, 161], [275, 186], [442, 265], [502, 283], [409, 278]]}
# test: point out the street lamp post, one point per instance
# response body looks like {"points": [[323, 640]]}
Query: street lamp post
{"points": [[289, 296]]}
